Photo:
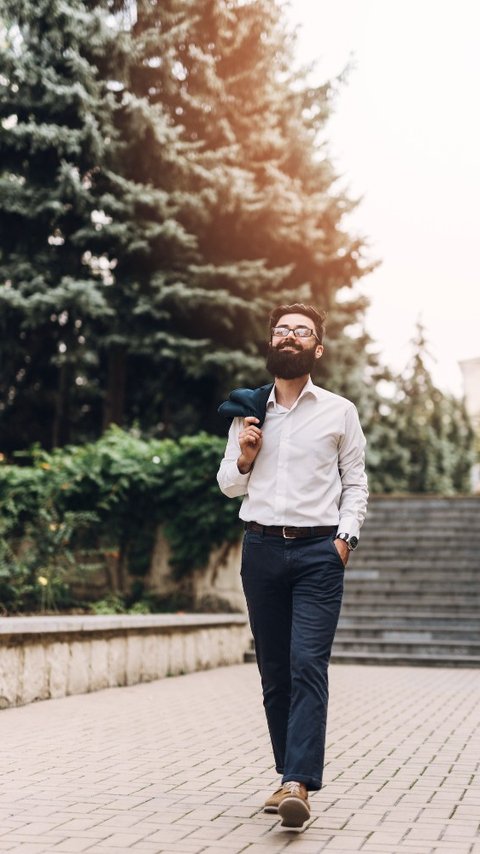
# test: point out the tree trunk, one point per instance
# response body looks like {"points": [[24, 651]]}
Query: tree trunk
{"points": [[60, 426], [114, 406]]}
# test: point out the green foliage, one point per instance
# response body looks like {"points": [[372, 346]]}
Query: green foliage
{"points": [[196, 514], [134, 485], [163, 183], [86, 189], [54, 125], [17, 586], [38, 559], [49, 551], [422, 439], [114, 604]]}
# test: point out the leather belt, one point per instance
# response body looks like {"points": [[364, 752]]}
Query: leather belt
{"points": [[289, 532]]}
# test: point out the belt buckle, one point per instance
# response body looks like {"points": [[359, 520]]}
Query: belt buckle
{"points": [[287, 536]]}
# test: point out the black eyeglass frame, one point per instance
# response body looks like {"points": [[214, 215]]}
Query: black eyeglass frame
{"points": [[303, 329]]}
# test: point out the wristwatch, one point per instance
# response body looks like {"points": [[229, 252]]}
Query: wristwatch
{"points": [[352, 542]]}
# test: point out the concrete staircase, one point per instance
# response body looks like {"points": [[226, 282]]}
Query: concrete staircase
{"points": [[412, 590]]}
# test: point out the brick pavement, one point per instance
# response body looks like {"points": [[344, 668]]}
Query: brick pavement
{"points": [[182, 766]]}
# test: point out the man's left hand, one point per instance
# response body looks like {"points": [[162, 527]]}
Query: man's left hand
{"points": [[342, 550]]}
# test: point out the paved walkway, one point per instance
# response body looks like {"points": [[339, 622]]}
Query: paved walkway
{"points": [[182, 766]]}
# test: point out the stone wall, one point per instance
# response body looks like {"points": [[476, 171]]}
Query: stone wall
{"points": [[220, 579], [47, 657], [215, 584]]}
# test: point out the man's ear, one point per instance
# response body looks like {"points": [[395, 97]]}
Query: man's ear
{"points": [[318, 351]]}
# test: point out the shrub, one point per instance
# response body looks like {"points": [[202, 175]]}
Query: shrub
{"points": [[108, 497]]}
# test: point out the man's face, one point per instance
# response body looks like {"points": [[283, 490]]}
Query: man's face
{"points": [[291, 356]]}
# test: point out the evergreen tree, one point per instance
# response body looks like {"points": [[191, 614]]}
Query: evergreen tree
{"points": [[81, 223], [52, 136], [433, 438], [267, 219], [163, 184]]}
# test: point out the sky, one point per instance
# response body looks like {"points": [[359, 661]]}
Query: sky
{"points": [[405, 137]]}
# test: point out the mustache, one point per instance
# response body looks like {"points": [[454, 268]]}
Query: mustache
{"points": [[289, 344]]}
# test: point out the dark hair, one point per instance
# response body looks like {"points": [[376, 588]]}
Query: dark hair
{"points": [[318, 317]]}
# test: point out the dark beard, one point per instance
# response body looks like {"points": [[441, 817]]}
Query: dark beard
{"points": [[288, 365]]}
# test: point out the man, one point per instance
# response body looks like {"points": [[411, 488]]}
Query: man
{"points": [[303, 477]]}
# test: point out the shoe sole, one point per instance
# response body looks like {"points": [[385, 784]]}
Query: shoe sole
{"points": [[294, 812], [270, 809]]}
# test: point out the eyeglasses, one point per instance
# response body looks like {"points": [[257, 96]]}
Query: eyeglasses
{"points": [[299, 331]]}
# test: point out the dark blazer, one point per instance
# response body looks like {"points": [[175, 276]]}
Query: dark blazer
{"points": [[246, 401]]}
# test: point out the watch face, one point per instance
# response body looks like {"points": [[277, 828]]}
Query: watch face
{"points": [[353, 542]]}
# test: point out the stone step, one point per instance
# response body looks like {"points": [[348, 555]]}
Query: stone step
{"points": [[391, 546], [412, 590], [423, 508], [417, 558], [408, 596], [438, 535], [416, 622], [405, 525], [368, 610], [445, 526], [394, 514], [412, 503], [412, 576], [394, 521], [394, 586], [407, 644], [414, 658], [411, 659], [391, 549], [380, 502], [412, 540], [415, 632], [412, 543], [405, 605], [418, 517], [374, 580]]}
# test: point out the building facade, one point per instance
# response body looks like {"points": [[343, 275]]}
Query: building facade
{"points": [[471, 380]]}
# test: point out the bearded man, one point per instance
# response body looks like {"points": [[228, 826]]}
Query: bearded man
{"points": [[302, 475]]}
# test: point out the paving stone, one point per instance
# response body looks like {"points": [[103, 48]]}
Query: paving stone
{"points": [[183, 765], [345, 843], [27, 848]]}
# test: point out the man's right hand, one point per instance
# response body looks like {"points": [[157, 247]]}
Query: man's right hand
{"points": [[250, 440]]}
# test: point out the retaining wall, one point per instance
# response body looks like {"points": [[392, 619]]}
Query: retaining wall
{"points": [[46, 657]]}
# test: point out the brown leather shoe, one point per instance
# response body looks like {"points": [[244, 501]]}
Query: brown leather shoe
{"points": [[293, 806], [271, 804]]}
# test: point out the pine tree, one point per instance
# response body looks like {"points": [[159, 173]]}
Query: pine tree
{"points": [[165, 183], [267, 220], [433, 431], [82, 224], [53, 131]]}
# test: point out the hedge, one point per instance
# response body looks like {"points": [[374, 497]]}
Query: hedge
{"points": [[107, 498]]}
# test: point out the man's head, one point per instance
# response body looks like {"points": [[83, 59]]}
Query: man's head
{"points": [[296, 335]]}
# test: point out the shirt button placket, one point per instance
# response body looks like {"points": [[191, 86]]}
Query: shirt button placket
{"points": [[282, 473]]}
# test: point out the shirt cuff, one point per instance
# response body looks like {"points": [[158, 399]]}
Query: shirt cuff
{"points": [[349, 525], [231, 481], [240, 478]]}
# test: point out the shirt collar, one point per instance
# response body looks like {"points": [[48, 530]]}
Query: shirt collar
{"points": [[308, 388]]}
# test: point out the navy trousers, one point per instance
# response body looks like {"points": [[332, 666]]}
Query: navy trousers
{"points": [[294, 589]]}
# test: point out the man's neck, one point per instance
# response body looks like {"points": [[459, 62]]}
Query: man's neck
{"points": [[288, 391]]}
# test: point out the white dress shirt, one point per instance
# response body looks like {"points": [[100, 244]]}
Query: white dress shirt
{"points": [[310, 469]]}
